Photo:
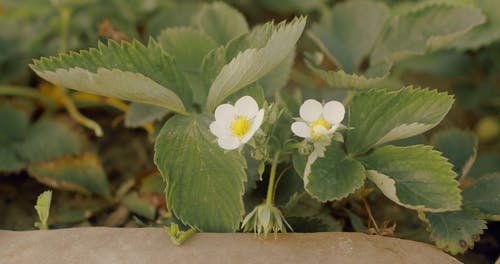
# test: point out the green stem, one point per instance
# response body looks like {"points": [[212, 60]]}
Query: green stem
{"points": [[78, 117], [26, 92], [65, 16], [185, 235], [272, 178], [348, 97]]}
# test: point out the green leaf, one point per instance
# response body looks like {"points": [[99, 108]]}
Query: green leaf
{"points": [[356, 222], [83, 174], [460, 147], [205, 185], [299, 162], [457, 231], [170, 14], [130, 72], [302, 205], [322, 223], [289, 184], [484, 195], [254, 90], [9, 161], [334, 176], [139, 114], [134, 203], [152, 184], [341, 80], [211, 66], [188, 46], [424, 28], [276, 79], [347, 33], [416, 177], [42, 208], [255, 39], [252, 64], [378, 116], [221, 22], [47, 139], [292, 6], [14, 123], [486, 163], [486, 33]]}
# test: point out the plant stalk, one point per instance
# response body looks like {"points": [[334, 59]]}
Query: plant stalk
{"points": [[65, 17], [272, 178], [26, 92]]}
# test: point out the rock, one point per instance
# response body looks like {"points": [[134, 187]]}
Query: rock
{"points": [[152, 245]]}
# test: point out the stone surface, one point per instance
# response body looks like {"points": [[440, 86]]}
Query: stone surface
{"points": [[152, 245]]}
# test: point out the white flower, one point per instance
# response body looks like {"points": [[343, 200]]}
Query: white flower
{"points": [[318, 121], [235, 125]]}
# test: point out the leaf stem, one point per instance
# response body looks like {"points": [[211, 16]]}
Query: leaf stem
{"points": [[272, 178], [78, 117], [348, 97], [92, 98], [185, 235], [370, 215], [279, 178], [26, 92], [65, 17]]}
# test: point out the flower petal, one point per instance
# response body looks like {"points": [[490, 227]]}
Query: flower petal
{"points": [[246, 106], [334, 112], [225, 113], [256, 122], [220, 129], [228, 143], [311, 110], [301, 129]]}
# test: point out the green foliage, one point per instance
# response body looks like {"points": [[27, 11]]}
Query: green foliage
{"points": [[10, 161], [342, 80], [220, 21], [181, 153], [35, 148], [486, 163], [415, 177], [377, 117], [335, 176], [432, 26], [252, 64], [455, 231], [14, 123], [459, 147], [356, 222], [133, 72], [483, 195], [42, 208], [207, 55], [23, 142], [83, 173], [485, 33], [133, 202], [348, 32], [140, 114], [292, 6], [51, 152], [188, 46], [276, 79]]}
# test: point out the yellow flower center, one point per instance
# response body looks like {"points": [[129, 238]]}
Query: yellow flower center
{"points": [[240, 126], [320, 122]]}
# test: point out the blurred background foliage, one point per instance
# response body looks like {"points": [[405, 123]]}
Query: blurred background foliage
{"points": [[111, 180]]}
